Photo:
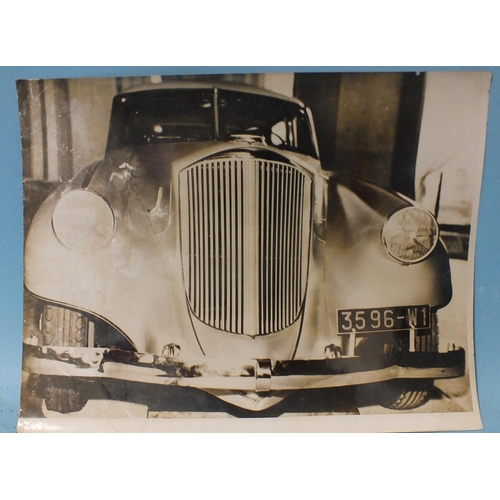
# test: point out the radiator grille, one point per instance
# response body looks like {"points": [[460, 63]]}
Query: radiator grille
{"points": [[245, 230]]}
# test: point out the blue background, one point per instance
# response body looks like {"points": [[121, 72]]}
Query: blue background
{"points": [[487, 276]]}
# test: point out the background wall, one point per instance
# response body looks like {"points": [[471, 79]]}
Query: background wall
{"points": [[451, 142], [359, 120]]}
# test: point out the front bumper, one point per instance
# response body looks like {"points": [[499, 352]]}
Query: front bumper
{"points": [[253, 375]]}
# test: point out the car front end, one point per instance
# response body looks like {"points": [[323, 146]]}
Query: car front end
{"points": [[209, 249]]}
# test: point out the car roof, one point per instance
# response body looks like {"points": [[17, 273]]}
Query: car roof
{"points": [[212, 85]]}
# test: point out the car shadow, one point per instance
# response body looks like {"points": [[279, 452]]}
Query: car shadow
{"points": [[162, 401]]}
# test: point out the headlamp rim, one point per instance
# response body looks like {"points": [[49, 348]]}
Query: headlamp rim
{"points": [[75, 248], [386, 245]]}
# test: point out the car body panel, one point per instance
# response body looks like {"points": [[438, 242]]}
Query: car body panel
{"points": [[346, 270]]}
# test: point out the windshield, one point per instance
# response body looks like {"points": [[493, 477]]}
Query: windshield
{"points": [[161, 116], [189, 115], [272, 121]]}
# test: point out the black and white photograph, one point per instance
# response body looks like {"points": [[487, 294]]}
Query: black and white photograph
{"points": [[251, 251]]}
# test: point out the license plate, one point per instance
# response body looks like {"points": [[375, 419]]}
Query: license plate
{"points": [[383, 319]]}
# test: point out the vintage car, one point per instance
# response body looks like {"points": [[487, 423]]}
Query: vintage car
{"points": [[209, 249]]}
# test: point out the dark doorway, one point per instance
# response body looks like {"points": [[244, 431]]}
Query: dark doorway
{"points": [[367, 123]]}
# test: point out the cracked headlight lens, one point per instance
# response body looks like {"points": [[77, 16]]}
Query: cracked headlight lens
{"points": [[410, 234]]}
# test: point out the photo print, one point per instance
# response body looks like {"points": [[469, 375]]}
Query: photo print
{"points": [[275, 251]]}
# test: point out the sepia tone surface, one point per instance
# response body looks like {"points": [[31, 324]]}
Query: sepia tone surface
{"points": [[208, 258]]}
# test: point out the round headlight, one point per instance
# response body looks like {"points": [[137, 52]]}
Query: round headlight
{"points": [[83, 220], [410, 234]]}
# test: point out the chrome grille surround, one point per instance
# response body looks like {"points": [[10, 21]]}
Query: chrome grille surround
{"points": [[245, 236]]}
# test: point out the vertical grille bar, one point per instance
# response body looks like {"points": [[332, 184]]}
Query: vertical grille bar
{"points": [[232, 253], [215, 244], [203, 242], [209, 289], [287, 264], [227, 267], [245, 231], [271, 275], [192, 241], [278, 246]]}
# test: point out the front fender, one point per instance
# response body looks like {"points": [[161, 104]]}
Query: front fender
{"points": [[359, 273], [115, 282]]}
